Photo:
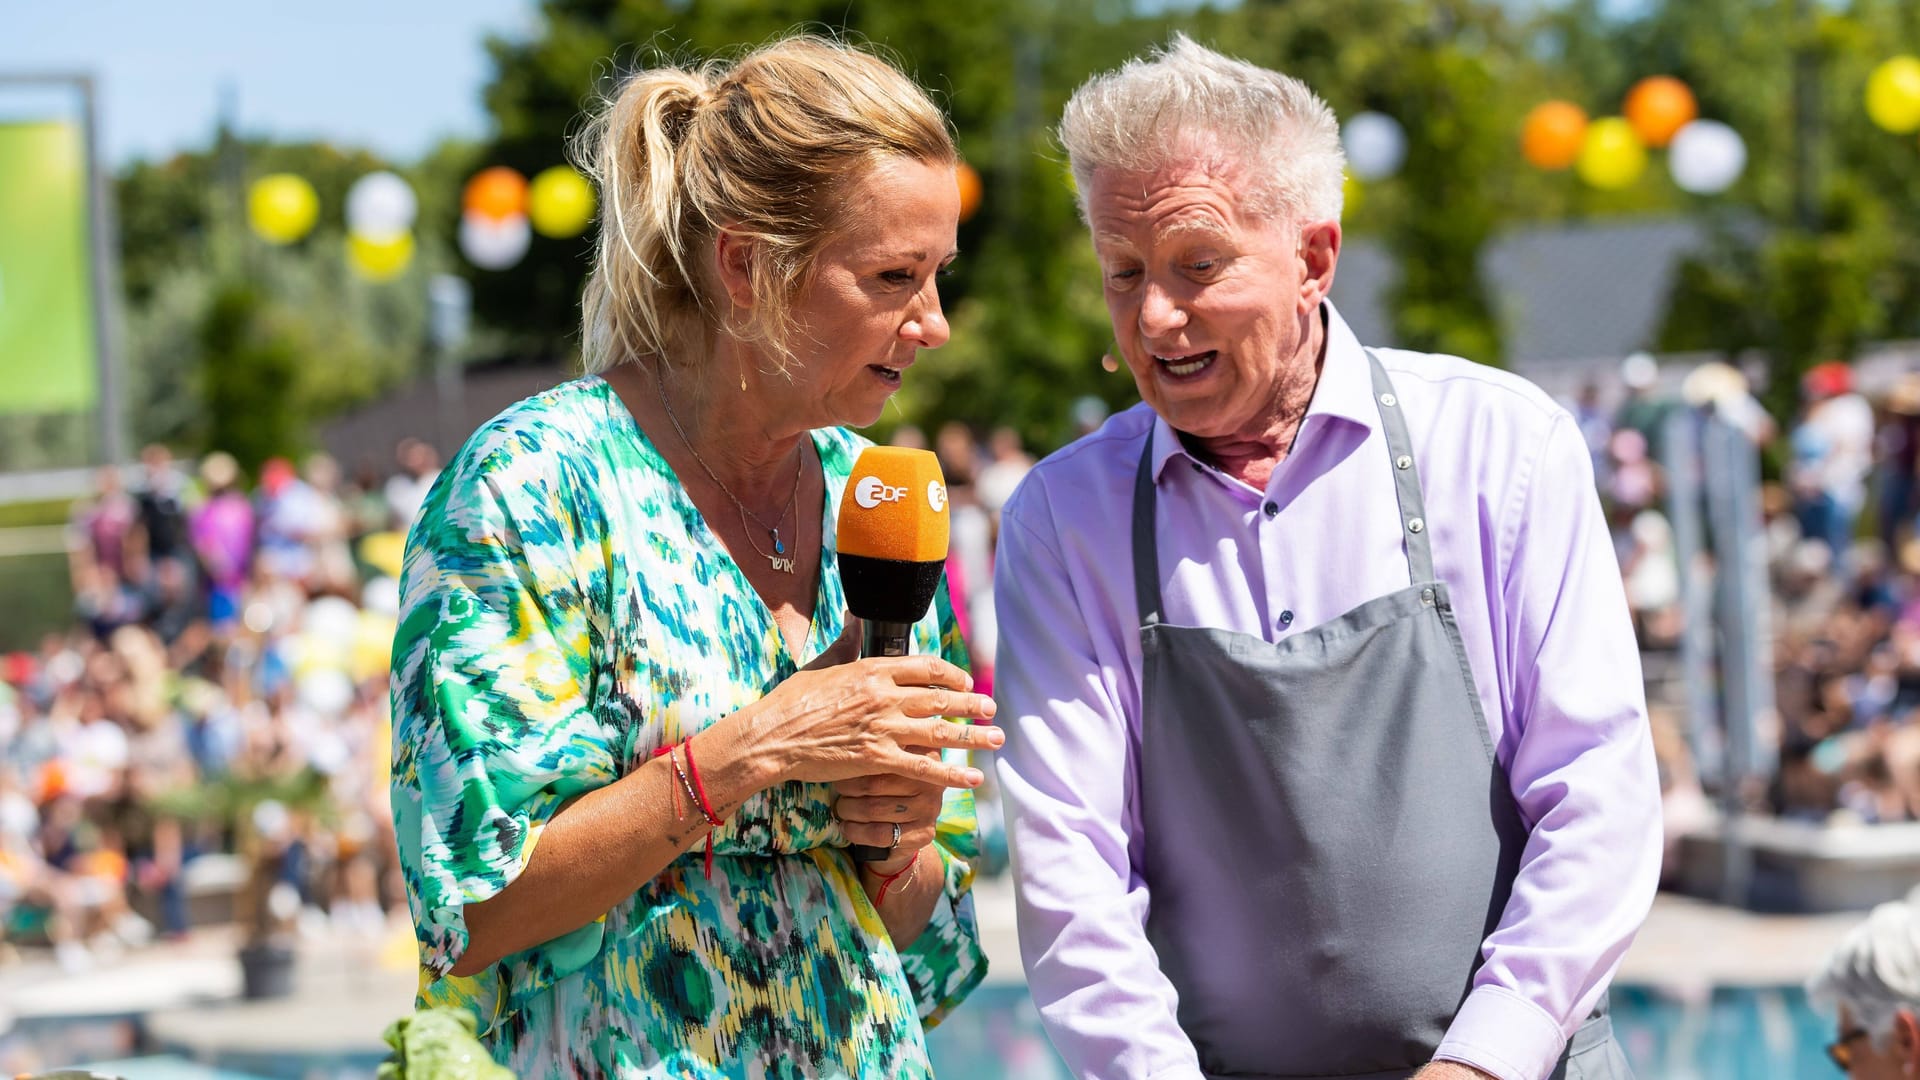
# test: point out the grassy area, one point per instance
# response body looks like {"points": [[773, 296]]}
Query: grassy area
{"points": [[43, 512], [35, 594], [34, 590]]}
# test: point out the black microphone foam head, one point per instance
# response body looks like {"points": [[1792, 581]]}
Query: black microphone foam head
{"points": [[889, 590]]}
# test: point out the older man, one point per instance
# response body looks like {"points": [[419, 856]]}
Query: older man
{"points": [[1872, 979], [1341, 766]]}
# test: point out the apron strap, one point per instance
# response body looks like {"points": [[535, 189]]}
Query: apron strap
{"points": [[1146, 547], [1406, 475]]}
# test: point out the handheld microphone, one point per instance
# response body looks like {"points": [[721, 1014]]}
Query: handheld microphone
{"points": [[892, 547]]}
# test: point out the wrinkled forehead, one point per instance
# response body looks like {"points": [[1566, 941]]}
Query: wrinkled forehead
{"points": [[1179, 202]]}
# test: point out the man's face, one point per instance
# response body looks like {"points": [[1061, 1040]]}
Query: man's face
{"points": [[1210, 302]]}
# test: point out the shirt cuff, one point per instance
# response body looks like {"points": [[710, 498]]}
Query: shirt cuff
{"points": [[1497, 1031]]}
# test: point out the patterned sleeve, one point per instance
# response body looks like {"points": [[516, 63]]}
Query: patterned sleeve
{"points": [[945, 962], [492, 726]]}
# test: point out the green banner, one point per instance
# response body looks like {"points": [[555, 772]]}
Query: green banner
{"points": [[47, 359]]}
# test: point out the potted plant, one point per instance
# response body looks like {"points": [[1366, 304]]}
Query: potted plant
{"points": [[261, 815]]}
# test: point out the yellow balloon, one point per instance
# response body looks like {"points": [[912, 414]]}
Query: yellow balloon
{"points": [[560, 202], [380, 258], [372, 646], [1611, 156], [383, 551], [282, 208], [1893, 95]]}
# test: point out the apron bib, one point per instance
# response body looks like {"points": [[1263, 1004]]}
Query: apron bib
{"points": [[1328, 838]]}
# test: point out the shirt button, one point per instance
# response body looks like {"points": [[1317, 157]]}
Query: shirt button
{"points": [[1286, 618], [1271, 508]]}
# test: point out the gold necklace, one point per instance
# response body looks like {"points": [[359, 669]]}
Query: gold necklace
{"points": [[778, 558]]}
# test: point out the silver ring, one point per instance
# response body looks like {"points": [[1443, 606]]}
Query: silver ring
{"points": [[896, 837]]}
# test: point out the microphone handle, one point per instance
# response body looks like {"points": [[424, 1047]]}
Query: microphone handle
{"points": [[880, 639], [885, 638]]}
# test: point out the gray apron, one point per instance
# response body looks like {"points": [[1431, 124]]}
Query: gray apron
{"points": [[1328, 839]]}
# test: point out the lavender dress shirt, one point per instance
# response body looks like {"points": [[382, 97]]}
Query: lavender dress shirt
{"points": [[1519, 538]]}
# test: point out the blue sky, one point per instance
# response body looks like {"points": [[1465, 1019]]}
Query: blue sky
{"points": [[392, 75]]}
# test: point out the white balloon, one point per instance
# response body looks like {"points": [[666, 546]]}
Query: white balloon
{"points": [[331, 619], [328, 693], [1706, 157], [494, 245], [1376, 145], [381, 205]]}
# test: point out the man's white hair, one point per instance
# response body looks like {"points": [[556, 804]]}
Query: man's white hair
{"points": [[1151, 111], [1875, 970]]}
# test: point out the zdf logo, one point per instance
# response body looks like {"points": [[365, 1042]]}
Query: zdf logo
{"points": [[937, 496], [872, 491]]}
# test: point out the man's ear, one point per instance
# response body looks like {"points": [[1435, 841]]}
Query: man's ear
{"points": [[1906, 1039], [733, 265], [1319, 254]]}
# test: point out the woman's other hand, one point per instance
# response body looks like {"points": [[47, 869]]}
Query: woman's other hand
{"points": [[870, 806]]}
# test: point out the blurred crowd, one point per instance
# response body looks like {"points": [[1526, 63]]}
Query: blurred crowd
{"points": [[215, 719], [217, 710], [1838, 507]]}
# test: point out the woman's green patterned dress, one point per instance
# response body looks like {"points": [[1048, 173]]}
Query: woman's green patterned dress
{"points": [[565, 611]]}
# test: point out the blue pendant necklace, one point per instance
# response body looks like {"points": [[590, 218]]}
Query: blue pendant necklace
{"points": [[779, 559]]}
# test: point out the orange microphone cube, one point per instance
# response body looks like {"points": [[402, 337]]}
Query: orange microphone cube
{"points": [[895, 507]]}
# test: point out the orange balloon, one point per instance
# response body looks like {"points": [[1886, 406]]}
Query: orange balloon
{"points": [[1659, 106], [1553, 133], [970, 189], [497, 193]]}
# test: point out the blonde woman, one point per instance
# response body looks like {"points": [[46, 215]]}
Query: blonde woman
{"points": [[631, 743]]}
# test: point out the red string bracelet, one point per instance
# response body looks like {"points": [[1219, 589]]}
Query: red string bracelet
{"points": [[706, 807], [887, 882], [679, 777], [696, 792]]}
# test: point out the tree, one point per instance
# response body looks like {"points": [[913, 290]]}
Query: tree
{"points": [[1815, 251], [196, 279]]}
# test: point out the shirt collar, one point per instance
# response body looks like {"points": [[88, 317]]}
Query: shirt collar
{"points": [[1343, 394]]}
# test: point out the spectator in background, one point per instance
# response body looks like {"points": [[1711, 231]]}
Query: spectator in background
{"points": [[909, 437], [1897, 452], [331, 527], [1643, 410], [407, 489], [102, 530], [365, 500], [221, 530], [162, 497], [1087, 413], [1009, 465], [1596, 427], [286, 515], [970, 552], [1832, 450], [1872, 981]]}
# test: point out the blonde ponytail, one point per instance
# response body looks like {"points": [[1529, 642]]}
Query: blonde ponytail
{"points": [[763, 147]]}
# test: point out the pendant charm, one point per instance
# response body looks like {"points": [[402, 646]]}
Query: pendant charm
{"points": [[778, 547], [785, 566]]}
